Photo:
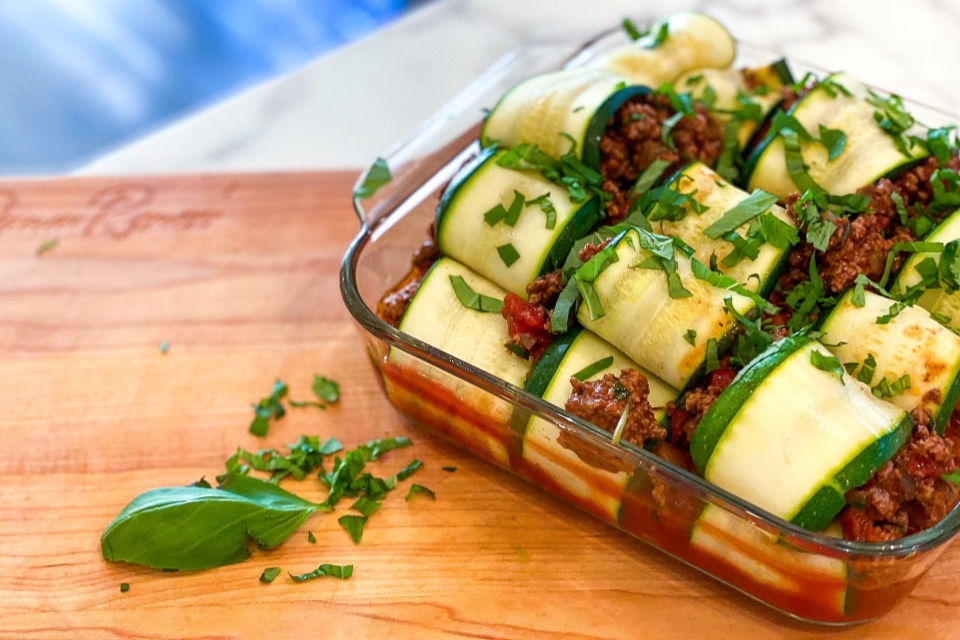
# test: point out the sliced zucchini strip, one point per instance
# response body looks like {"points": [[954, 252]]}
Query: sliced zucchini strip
{"points": [[763, 559], [641, 319], [719, 197], [693, 41], [465, 234], [548, 110], [942, 302], [793, 438], [600, 489], [869, 153], [436, 316], [911, 344], [728, 85]]}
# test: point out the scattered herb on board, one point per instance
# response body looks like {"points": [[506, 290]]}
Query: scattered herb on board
{"points": [[164, 347], [332, 570], [312, 539], [46, 245], [354, 526], [124, 587], [377, 175], [269, 408], [269, 574], [306, 455], [419, 489], [325, 389], [449, 469]]}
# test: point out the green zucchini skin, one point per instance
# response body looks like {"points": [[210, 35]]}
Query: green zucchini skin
{"points": [[600, 118], [728, 404], [460, 178], [583, 222], [821, 509], [946, 409], [543, 372]]}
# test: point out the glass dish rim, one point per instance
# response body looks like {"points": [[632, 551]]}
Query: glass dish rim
{"points": [[925, 540]]}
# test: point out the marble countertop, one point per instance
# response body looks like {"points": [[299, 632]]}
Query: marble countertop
{"points": [[344, 109]]}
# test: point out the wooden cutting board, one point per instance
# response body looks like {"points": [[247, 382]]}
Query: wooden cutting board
{"points": [[239, 275]]}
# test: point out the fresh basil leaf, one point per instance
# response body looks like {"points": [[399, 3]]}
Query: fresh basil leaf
{"points": [[473, 300], [830, 364], [594, 306], [377, 175], [741, 213], [192, 528], [859, 297], [834, 140], [593, 369], [495, 215], [784, 123], [332, 570], [691, 337], [269, 574], [508, 254], [326, 389], [354, 526], [796, 167]]}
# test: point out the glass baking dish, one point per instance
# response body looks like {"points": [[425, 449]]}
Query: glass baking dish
{"points": [[809, 576]]}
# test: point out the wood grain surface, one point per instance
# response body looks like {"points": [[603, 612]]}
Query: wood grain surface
{"points": [[239, 275]]}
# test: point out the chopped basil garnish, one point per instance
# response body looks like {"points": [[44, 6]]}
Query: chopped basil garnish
{"points": [[46, 245], [306, 455], [830, 364], [164, 347], [124, 587], [776, 232], [354, 526], [650, 176], [268, 408], [560, 318], [713, 361], [473, 300], [743, 212], [666, 130], [449, 469], [269, 574], [592, 369], [543, 201], [419, 489], [332, 570], [893, 118], [953, 476], [508, 254], [365, 505], [633, 32], [886, 389], [377, 175], [691, 337], [590, 299], [834, 140], [312, 539]]}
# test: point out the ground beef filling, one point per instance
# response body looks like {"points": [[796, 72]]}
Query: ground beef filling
{"points": [[603, 402], [634, 138], [860, 244], [907, 494], [394, 303], [686, 414]]}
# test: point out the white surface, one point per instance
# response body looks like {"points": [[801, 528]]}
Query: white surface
{"points": [[343, 110]]}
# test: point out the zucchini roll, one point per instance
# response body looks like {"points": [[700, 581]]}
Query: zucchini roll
{"points": [[794, 432], [805, 150], [649, 301], [457, 311], [942, 301], [671, 47], [725, 224], [583, 358], [510, 225], [909, 358]]}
